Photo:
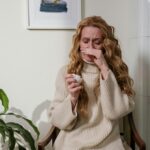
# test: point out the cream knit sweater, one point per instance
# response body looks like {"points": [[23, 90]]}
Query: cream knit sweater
{"points": [[100, 130]]}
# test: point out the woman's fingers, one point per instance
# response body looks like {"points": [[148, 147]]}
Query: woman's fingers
{"points": [[73, 85], [73, 78], [70, 80], [94, 52], [68, 76], [76, 89]]}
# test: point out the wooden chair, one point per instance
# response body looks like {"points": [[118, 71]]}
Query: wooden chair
{"points": [[130, 134]]}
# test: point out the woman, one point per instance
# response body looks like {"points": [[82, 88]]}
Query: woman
{"points": [[88, 112]]}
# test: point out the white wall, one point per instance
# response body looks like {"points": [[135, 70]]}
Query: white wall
{"points": [[141, 43], [30, 59]]}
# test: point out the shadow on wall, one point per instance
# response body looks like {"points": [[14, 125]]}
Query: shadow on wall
{"points": [[40, 117]]}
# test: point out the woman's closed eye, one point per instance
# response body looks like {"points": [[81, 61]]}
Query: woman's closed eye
{"points": [[97, 42], [85, 41]]}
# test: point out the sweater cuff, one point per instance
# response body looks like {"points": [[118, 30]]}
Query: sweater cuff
{"points": [[62, 115], [106, 79]]}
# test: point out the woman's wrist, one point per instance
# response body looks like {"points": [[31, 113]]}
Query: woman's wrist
{"points": [[73, 101], [104, 72]]}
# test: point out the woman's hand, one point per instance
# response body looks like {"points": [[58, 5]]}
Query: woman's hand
{"points": [[74, 88], [98, 59]]}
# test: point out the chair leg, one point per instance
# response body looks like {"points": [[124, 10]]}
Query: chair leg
{"points": [[40, 148], [132, 143]]}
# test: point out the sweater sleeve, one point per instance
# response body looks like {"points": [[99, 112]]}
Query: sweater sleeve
{"points": [[115, 104], [60, 111]]}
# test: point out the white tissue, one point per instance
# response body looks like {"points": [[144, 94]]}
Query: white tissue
{"points": [[77, 78]]}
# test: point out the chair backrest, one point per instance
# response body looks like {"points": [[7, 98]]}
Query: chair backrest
{"points": [[130, 133], [125, 130]]}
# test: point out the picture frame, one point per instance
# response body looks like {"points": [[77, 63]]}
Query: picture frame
{"points": [[53, 14]]}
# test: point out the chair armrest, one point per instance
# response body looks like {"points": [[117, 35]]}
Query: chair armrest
{"points": [[44, 141], [134, 133]]}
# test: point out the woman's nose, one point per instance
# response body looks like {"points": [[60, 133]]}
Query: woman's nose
{"points": [[90, 45]]}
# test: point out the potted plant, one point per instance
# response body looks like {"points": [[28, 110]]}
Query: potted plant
{"points": [[14, 134]]}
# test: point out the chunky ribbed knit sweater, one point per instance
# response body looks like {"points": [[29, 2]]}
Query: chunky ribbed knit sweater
{"points": [[100, 130]]}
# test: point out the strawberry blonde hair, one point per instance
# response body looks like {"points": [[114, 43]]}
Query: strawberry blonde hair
{"points": [[112, 55]]}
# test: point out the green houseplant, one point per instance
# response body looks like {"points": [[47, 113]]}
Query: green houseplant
{"points": [[14, 133]]}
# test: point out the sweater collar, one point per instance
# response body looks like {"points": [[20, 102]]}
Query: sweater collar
{"points": [[91, 68]]}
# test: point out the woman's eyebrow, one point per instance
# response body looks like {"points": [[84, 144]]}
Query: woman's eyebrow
{"points": [[97, 39], [86, 38]]}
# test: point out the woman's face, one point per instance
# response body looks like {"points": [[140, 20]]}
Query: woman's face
{"points": [[91, 37]]}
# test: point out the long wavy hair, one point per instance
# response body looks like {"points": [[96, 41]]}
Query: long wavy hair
{"points": [[112, 54]]}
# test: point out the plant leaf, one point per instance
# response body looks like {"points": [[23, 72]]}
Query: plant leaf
{"points": [[12, 140], [24, 133], [8, 132], [2, 132], [20, 147], [2, 123], [2, 129], [5, 100], [27, 120]]}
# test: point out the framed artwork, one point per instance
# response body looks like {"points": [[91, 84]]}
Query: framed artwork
{"points": [[53, 14]]}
